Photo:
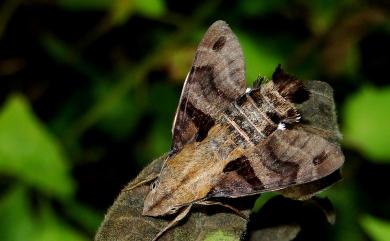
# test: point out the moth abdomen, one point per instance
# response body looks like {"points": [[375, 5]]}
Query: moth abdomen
{"points": [[243, 124], [258, 113], [274, 116]]}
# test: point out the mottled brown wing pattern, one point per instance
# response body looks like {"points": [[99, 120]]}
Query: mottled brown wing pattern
{"points": [[290, 157], [319, 117], [291, 88], [216, 78], [285, 158], [239, 179]]}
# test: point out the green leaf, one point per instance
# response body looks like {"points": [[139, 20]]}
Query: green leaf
{"points": [[377, 229], [256, 8], [260, 57], [158, 141], [51, 228], [121, 10], [85, 216], [64, 54], [352, 60], [16, 222], [263, 199], [162, 101], [29, 152], [347, 226], [150, 8], [325, 12], [220, 236], [366, 117], [123, 115], [85, 4]]}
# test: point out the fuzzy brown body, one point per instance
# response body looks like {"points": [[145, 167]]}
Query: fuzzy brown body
{"points": [[181, 185], [229, 142]]}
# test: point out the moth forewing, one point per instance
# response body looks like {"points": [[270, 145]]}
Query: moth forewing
{"points": [[188, 175], [216, 78]]}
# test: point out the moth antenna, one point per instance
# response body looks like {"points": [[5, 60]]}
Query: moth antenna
{"points": [[141, 183], [289, 86], [235, 210]]}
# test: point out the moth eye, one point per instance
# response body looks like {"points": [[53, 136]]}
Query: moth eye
{"points": [[174, 209], [154, 184]]}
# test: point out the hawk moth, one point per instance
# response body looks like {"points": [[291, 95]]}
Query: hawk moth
{"points": [[230, 141]]}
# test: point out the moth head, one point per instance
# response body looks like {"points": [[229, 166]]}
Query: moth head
{"points": [[159, 202], [154, 184]]}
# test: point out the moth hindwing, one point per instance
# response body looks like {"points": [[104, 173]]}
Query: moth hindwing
{"points": [[229, 142]]}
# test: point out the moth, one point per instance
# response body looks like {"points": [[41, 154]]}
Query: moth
{"points": [[231, 141]]}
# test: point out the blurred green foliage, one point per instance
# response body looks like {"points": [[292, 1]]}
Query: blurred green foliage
{"points": [[366, 122], [89, 90], [27, 148], [20, 222], [378, 229]]}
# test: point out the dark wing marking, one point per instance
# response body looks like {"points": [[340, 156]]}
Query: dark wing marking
{"points": [[216, 78], [238, 178], [284, 159], [289, 86]]}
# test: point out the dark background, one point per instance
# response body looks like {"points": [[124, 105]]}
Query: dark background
{"points": [[88, 91]]}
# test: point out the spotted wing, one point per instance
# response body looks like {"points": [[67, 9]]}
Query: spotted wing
{"points": [[216, 78]]}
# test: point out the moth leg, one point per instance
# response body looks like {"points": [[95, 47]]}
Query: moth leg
{"points": [[147, 180], [174, 222], [238, 212]]}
